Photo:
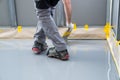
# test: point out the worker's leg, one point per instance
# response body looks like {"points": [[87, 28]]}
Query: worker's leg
{"points": [[39, 40], [50, 28], [40, 37], [51, 31]]}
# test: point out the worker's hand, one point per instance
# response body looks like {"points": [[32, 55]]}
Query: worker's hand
{"points": [[68, 31], [71, 25]]}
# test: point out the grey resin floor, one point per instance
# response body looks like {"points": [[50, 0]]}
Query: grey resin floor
{"points": [[89, 60]]}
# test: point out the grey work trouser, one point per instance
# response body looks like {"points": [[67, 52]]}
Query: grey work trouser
{"points": [[46, 27]]}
